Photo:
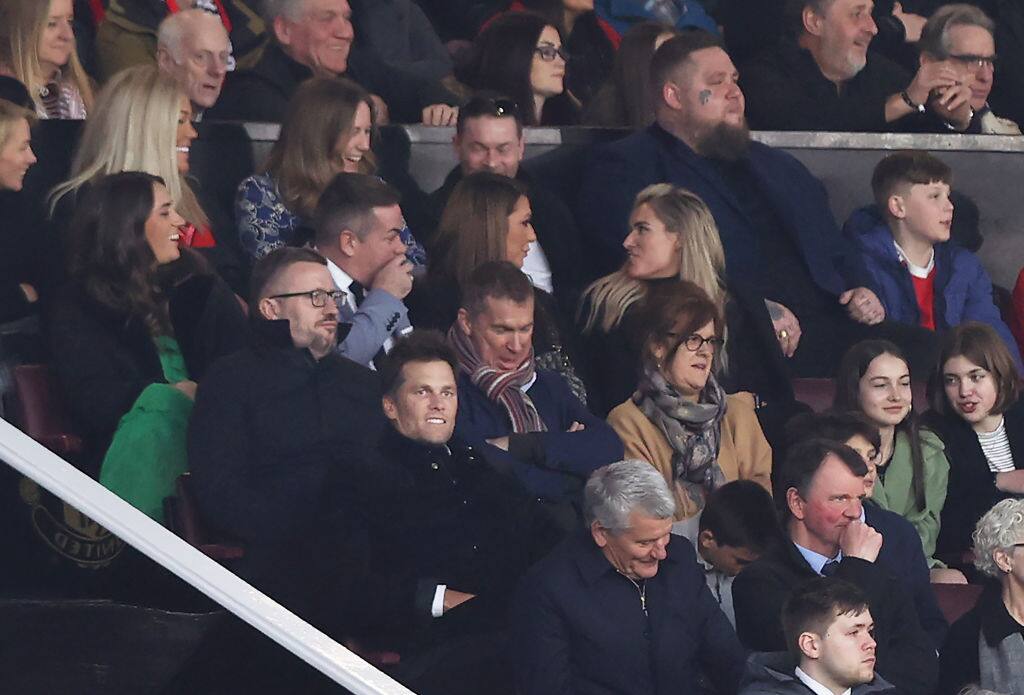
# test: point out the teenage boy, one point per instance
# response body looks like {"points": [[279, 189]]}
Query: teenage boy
{"points": [[828, 630], [736, 526], [918, 274]]}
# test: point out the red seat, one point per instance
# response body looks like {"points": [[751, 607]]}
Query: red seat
{"points": [[183, 518], [956, 599], [40, 412]]}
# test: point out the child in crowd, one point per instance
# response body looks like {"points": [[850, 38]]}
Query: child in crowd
{"points": [[918, 274]]}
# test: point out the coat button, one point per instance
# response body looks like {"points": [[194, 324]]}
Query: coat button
{"points": [[434, 466]]}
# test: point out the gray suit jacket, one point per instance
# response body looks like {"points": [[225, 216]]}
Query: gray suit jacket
{"points": [[380, 317]]}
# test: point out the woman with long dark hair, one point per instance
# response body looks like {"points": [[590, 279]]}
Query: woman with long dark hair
{"points": [[911, 471], [521, 55], [133, 332]]}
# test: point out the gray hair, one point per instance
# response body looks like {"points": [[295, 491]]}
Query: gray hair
{"points": [[618, 489], [173, 29], [292, 9], [1001, 528], [935, 34]]}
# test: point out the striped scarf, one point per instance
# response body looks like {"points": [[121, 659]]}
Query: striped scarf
{"points": [[504, 388]]}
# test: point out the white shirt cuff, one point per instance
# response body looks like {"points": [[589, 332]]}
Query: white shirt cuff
{"points": [[437, 607]]}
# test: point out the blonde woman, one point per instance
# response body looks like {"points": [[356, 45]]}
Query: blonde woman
{"points": [[37, 47], [142, 122], [19, 257], [672, 236]]}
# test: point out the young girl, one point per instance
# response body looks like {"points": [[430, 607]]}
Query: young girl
{"points": [[912, 469], [978, 412]]}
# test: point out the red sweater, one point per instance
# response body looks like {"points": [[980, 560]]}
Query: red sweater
{"points": [[924, 290]]}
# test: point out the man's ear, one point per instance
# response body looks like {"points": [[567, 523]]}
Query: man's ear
{"points": [[390, 409], [795, 503], [463, 320], [670, 94], [599, 533], [164, 60], [348, 243], [706, 538], [282, 30], [810, 645], [268, 309], [896, 206], [812, 21]]}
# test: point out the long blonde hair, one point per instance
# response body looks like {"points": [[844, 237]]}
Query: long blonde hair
{"points": [[21, 26], [134, 128], [702, 259]]}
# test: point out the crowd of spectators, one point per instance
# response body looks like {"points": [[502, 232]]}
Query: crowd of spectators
{"points": [[528, 438]]}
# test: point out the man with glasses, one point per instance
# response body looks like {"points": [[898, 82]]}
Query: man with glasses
{"points": [[193, 47], [358, 230], [280, 442], [962, 37]]}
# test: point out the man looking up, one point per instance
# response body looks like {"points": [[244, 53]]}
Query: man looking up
{"points": [[314, 37], [828, 628], [358, 230], [821, 486], [193, 48], [828, 80], [524, 419]]}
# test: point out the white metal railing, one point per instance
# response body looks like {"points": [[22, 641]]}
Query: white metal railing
{"points": [[138, 530]]}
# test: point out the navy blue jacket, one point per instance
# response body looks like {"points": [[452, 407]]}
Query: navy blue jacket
{"points": [[578, 627], [963, 290], [619, 170], [551, 465]]}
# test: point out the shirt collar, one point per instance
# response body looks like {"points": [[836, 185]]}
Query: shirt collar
{"points": [[817, 560], [917, 271], [341, 279], [814, 685], [529, 384]]}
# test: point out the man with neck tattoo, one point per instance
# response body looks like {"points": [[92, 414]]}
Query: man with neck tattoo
{"points": [[773, 217], [622, 606]]}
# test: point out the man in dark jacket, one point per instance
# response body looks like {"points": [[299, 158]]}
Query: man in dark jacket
{"points": [[314, 37], [821, 486], [280, 441], [773, 217], [622, 606]]}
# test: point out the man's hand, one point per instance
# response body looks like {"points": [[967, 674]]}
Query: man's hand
{"points": [[953, 105], [500, 442], [31, 296], [440, 115], [1012, 481], [863, 306], [576, 427], [395, 278], [860, 540], [929, 77], [186, 387], [912, 23], [787, 327], [453, 598]]}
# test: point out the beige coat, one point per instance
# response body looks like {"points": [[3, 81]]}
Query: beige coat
{"points": [[743, 454]]}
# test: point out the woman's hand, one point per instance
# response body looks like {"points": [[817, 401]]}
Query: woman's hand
{"points": [[186, 387], [787, 327]]}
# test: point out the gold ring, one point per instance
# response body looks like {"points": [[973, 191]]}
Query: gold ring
{"points": [[783, 334]]}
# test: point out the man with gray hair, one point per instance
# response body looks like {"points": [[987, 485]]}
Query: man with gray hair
{"points": [[193, 47], [622, 606], [315, 37], [963, 37]]}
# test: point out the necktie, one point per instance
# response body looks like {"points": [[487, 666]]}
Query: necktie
{"points": [[830, 568], [358, 291]]}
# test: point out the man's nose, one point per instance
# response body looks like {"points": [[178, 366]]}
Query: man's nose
{"points": [[870, 26], [853, 509], [660, 551]]}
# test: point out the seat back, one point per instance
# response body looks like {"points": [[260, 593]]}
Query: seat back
{"points": [[956, 599], [184, 519], [820, 393], [40, 412]]}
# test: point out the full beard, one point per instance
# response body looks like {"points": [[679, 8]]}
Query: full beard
{"points": [[725, 142]]}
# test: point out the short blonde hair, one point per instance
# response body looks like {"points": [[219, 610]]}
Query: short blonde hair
{"points": [[1001, 528], [21, 26], [10, 114]]}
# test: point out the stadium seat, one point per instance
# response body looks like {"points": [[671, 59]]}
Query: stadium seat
{"points": [[819, 393], [40, 412], [956, 599], [182, 517]]}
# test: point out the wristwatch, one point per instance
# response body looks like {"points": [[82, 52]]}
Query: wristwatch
{"points": [[910, 102]]}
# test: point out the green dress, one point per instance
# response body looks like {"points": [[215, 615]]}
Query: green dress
{"points": [[896, 492], [147, 452]]}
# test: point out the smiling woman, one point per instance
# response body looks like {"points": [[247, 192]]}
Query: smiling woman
{"points": [[37, 46]]}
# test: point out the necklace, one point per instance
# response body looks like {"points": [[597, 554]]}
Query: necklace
{"points": [[641, 590]]}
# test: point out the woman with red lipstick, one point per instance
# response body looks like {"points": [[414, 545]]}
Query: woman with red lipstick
{"points": [[911, 470], [132, 333], [978, 412], [37, 46], [679, 419]]}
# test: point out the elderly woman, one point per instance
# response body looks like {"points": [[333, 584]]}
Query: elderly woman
{"points": [[679, 419], [986, 646], [37, 46], [622, 606]]}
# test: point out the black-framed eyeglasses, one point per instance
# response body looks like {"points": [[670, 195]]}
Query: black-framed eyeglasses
{"points": [[695, 342], [318, 297], [549, 53], [975, 61]]}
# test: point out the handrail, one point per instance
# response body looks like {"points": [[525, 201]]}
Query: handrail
{"points": [[147, 536]]}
